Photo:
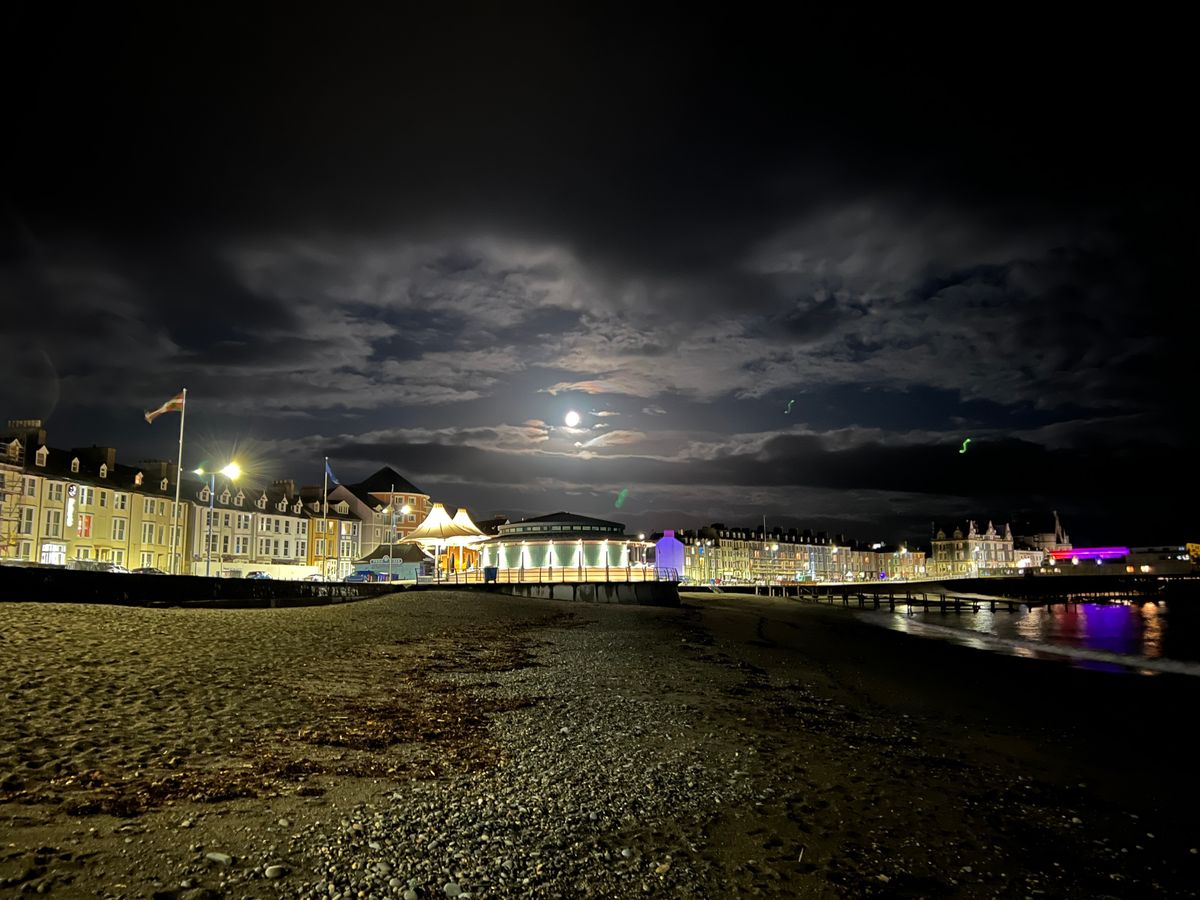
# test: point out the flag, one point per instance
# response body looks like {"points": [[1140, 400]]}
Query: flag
{"points": [[175, 404], [329, 473]]}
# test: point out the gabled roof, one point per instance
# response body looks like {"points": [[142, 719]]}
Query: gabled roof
{"points": [[384, 481]]}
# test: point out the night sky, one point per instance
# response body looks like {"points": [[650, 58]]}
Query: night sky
{"points": [[421, 240]]}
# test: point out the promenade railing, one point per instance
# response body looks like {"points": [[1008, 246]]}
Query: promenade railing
{"points": [[558, 574]]}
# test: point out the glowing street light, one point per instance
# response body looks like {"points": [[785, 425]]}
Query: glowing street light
{"points": [[231, 471]]}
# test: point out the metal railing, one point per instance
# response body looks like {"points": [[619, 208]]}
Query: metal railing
{"points": [[557, 575]]}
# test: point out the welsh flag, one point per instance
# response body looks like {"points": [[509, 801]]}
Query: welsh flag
{"points": [[175, 404]]}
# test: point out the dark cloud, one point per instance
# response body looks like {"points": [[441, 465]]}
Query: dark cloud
{"points": [[444, 225]]}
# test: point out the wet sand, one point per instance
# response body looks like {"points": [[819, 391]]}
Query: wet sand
{"points": [[802, 752]]}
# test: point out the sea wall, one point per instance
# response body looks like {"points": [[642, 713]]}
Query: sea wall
{"points": [[51, 585], [643, 593]]}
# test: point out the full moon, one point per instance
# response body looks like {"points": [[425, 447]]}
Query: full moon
{"points": [[572, 418]]}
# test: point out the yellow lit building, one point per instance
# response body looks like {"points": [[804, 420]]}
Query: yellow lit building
{"points": [[81, 505]]}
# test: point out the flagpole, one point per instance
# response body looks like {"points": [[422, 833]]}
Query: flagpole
{"points": [[175, 560], [325, 522]]}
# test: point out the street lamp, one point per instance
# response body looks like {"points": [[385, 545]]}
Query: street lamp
{"points": [[231, 471], [404, 511]]}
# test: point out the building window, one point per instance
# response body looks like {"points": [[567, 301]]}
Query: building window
{"points": [[118, 529], [54, 554], [103, 499], [118, 556], [39, 458], [162, 534], [120, 501], [138, 479], [103, 470], [162, 507], [75, 465], [56, 491], [83, 552], [25, 519], [87, 496], [26, 550], [53, 523], [147, 560], [286, 549], [30, 487], [85, 525], [224, 543], [147, 532]]}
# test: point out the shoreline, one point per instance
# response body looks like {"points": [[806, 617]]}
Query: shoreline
{"points": [[540, 748]]}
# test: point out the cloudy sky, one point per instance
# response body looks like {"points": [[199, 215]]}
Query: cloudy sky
{"points": [[779, 267]]}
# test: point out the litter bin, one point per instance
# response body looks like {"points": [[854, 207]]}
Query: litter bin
{"points": [[491, 573]]}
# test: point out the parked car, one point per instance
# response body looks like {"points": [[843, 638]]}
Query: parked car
{"points": [[317, 576], [96, 565], [148, 570], [258, 576], [357, 577]]}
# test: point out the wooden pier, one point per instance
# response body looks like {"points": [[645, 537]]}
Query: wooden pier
{"points": [[1007, 594]]}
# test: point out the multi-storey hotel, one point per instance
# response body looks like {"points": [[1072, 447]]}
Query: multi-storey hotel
{"points": [[81, 504]]}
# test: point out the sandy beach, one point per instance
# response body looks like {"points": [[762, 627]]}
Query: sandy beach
{"points": [[439, 744]]}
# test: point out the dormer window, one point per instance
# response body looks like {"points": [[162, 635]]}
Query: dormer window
{"points": [[281, 506], [204, 495], [237, 501], [162, 485], [103, 470], [14, 450], [297, 508], [343, 507], [225, 497], [75, 465], [138, 479], [40, 457], [261, 503]]}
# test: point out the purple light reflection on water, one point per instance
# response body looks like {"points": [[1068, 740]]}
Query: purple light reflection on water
{"points": [[1119, 635]]}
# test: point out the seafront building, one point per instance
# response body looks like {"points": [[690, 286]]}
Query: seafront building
{"points": [[741, 556], [567, 544], [388, 505], [973, 553], [81, 504]]}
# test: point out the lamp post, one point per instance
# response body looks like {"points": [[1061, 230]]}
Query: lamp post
{"points": [[231, 471], [404, 511]]}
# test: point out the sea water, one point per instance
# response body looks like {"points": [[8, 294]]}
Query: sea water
{"points": [[1128, 636]]}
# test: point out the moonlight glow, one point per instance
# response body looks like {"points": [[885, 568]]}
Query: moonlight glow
{"points": [[572, 418]]}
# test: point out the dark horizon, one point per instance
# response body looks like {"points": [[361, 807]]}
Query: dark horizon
{"points": [[780, 267]]}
